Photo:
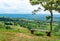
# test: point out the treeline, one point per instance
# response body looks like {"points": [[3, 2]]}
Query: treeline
{"points": [[30, 24], [25, 22]]}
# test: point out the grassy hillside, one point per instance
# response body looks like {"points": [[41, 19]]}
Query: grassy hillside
{"points": [[19, 30], [23, 34]]}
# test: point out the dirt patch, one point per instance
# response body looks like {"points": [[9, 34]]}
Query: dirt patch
{"points": [[21, 35]]}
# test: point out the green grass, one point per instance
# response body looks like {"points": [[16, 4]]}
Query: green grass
{"points": [[15, 35], [12, 37], [6, 36]]}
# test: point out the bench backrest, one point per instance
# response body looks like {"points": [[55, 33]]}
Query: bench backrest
{"points": [[40, 30]]}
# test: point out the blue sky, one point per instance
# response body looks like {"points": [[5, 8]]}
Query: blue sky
{"points": [[18, 7]]}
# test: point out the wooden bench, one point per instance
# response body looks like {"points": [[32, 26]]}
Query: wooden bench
{"points": [[46, 31]]}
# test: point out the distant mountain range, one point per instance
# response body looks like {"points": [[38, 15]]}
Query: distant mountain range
{"points": [[56, 17]]}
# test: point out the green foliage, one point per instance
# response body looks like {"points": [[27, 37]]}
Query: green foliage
{"points": [[56, 33], [48, 17], [8, 23], [34, 2], [47, 4], [39, 33], [57, 28], [8, 27]]}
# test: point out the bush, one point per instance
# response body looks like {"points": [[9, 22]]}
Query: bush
{"points": [[8, 23], [56, 34], [8, 27], [39, 33]]}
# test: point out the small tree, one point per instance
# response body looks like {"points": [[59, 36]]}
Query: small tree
{"points": [[49, 5]]}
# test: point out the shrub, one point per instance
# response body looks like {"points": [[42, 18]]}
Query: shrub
{"points": [[56, 34], [8, 27], [8, 23], [39, 33]]}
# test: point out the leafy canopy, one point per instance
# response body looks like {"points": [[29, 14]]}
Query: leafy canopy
{"points": [[47, 4]]}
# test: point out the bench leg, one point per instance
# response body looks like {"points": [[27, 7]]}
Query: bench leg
{"points": [[48, 34], [32, 31]]}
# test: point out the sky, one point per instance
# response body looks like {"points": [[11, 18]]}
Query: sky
{"points": [[18, 7]]}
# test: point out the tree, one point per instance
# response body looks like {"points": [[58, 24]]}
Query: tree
{"points": [[49, 5]]}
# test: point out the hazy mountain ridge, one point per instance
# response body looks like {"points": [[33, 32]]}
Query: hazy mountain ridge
{"points": [[32, 17]]}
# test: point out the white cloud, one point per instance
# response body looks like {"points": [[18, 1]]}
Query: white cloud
{"points": [[17, 6]]}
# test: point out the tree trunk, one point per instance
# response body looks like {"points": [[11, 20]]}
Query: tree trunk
{"points": [[51, 20]]}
